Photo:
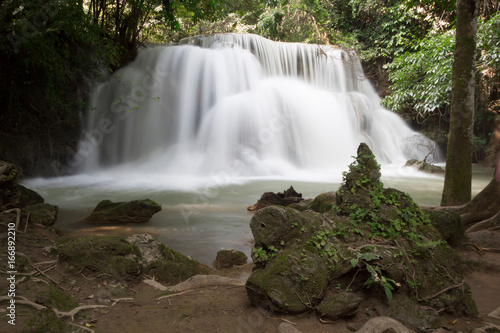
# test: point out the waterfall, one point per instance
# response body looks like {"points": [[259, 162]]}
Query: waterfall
{"points": [[240, 105]]}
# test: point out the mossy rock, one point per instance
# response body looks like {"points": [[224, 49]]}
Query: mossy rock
{"points": [[338, 304], [174, 267], [43, 213], [106, 254], [289, 283], [276, 225], [135, 211], [323, 202], [46, 321]]}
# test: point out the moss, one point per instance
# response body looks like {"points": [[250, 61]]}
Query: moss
{"points": [[55, 298], [46, 321], [109, 254]]}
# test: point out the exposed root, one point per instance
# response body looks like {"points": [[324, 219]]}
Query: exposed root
{"points": [[442, 291], [60, 314]]}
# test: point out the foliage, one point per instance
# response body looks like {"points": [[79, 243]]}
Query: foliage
{"points": [[422, 79], [376, 275]]}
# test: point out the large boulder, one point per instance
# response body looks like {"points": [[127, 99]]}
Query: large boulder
{"points": [[136, 211], [372, 245], [43, 213]]}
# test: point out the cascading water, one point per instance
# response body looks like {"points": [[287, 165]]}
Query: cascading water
{"points": [[241, 106]]}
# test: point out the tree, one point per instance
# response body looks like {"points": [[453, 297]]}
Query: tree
{"points": [[458, 174]]}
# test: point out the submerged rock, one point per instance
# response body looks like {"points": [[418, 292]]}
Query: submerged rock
{"points": [[136, 211], [365, 245]]}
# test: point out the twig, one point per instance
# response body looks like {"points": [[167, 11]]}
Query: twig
{"points": [[48, 277], [177, 294]]}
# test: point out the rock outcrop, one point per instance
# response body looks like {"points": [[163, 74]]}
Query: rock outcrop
{"points": [[371, 245]]}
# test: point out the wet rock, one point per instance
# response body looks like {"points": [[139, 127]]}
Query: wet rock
{"points": [[44, 214], [286, 198], [136, 211], [230, 258]]}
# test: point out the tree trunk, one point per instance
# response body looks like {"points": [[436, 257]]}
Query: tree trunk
{"points": [[485, 205], [458, 174]]}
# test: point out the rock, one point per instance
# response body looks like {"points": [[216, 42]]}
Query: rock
{"points": [[107, 254], [448, 223], [43, 213], [424, 166], [149, 247], [289, 283], [287, 328], [323, 202], [122, 258], [13, 195], [286, 198], [336, 305], [230, 258], [383, 325], [136, 211]]}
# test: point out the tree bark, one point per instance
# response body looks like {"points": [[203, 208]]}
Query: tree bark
{"points": [[458, 173], [485, 205]]}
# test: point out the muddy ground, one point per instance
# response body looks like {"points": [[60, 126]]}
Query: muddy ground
{"points": [[135, 306]]}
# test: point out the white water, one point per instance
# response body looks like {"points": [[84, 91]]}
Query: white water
{"points": [[231, 106]]}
